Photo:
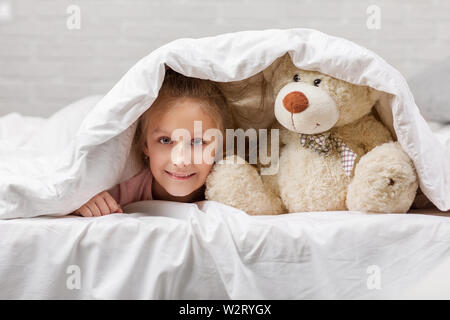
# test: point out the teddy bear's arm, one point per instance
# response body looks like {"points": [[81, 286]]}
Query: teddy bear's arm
{"points": [[236, 183], [365, 134]]}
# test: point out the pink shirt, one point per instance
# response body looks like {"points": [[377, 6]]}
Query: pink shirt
{"points": [[137, 188]]}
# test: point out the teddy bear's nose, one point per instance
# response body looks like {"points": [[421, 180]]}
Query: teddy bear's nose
{"points": [[295, 102]]}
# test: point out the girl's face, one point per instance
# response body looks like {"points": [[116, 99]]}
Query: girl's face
{"points": [[173, 146]]}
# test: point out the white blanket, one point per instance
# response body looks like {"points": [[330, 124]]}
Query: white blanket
{"points": [[46, 172], [181, 251]]}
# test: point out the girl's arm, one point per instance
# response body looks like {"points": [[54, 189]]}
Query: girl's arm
{"points": [[134, 189], [111, 201]]}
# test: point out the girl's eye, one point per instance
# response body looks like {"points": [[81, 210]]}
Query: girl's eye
{"points": [[316, 82], [164, 140], [197, 141], [296, 78]]}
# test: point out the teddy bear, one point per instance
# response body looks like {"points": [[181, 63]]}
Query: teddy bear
{"points": [[333, 152]]}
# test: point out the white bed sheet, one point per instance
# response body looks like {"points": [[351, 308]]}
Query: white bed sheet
{"points": [[167, 250]]}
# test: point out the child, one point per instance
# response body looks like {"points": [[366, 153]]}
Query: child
{"points": [[170, 171]]}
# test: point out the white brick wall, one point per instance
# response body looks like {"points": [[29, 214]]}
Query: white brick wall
{"points": [[44, 66]]}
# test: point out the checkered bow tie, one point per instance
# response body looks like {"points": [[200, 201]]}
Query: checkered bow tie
{"points": [[323, 143]]}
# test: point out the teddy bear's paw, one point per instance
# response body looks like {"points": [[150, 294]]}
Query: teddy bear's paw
{"points": [[239, 185], [385, 181]]}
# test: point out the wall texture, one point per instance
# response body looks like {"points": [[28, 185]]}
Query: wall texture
{"points": [[44, 64]]}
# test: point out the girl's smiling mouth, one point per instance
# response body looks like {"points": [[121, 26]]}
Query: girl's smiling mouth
{"points": [[179, 176]]}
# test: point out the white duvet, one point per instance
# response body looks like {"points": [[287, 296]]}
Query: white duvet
{"points": [[172, 250], [211, 251]]}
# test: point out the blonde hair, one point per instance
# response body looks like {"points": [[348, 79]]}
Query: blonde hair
{"points": [[176, 85]]}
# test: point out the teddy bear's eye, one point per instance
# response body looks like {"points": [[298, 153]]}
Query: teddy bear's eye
{"points": [[296, 78], [316, 82]]}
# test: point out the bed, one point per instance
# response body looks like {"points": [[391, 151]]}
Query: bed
{"points": [[207, 250]]}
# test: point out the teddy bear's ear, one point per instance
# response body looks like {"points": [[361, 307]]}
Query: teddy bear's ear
{"points": [[270, 70]]}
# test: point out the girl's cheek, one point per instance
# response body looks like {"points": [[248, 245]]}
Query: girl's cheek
{"points": [[206, 170], [159, 151]]}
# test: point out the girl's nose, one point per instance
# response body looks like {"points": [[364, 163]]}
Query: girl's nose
{"points": [[181, 155]]}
